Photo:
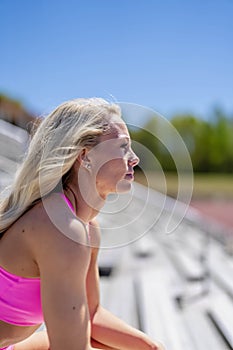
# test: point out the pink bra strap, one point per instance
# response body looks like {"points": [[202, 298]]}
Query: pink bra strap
{"points": [[68, 202]]}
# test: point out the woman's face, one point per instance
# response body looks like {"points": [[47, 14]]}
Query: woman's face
{"points": [[112, 160]]}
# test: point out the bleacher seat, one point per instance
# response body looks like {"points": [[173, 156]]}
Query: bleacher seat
{"points": [[179, 284], [13, 144]]}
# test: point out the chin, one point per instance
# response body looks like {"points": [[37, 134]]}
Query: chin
{"points": [[123, 186]]}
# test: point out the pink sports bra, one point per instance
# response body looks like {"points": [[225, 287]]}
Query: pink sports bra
{"points": [[20, 302], [20, 299]]}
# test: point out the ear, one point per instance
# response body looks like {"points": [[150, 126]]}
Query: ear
{"points": [[83, 157]]}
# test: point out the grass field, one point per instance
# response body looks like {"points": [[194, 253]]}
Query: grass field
{"points": [[205, 186]]}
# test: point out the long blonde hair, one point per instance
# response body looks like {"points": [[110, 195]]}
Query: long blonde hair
{"points": [[52, 152]]}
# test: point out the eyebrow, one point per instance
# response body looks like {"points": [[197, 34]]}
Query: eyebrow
{"points": [[123, 136]]}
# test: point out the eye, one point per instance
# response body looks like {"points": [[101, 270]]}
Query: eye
{"points": [[125, 146]]}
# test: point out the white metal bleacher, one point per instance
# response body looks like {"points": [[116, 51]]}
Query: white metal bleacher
{"points": [[177, 287], [13, 143]]}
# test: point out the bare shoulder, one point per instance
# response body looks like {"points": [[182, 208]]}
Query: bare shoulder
{"points": [[55, 234]]}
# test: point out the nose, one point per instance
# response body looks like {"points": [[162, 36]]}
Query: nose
{"points": [[133, 160]]}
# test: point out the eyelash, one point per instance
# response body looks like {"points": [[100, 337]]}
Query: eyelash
{"points": [[125, 145]]}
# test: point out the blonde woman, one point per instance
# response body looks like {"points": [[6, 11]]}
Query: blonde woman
{"points": [[49, 235]]}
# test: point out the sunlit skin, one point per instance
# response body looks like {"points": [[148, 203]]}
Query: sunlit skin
{"points": [[111, 170], [69, 271], [116, 173]]}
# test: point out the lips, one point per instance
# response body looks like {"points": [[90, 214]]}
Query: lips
{"points": [[129, 176]]}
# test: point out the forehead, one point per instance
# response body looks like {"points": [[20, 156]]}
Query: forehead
{"points": [[117, 130]]}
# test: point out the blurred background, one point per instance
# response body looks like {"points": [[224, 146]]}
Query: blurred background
{"points": [[174, 57]]}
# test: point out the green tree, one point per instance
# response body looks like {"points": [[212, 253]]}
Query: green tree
{"points": [[221, 142]]}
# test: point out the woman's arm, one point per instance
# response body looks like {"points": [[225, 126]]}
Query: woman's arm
{"points": [[109, 329], [63, 266], [105, 327]]}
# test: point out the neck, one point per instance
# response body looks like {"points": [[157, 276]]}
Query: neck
{"points": [[85, 208]]}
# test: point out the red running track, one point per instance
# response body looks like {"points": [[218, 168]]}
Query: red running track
{"points": [[220, 211]]}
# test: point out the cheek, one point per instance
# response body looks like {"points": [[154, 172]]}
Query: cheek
{"points": [[113, 169], [119, 166]]}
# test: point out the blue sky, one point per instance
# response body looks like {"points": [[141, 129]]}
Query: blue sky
{"points": [[171, 55]]}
